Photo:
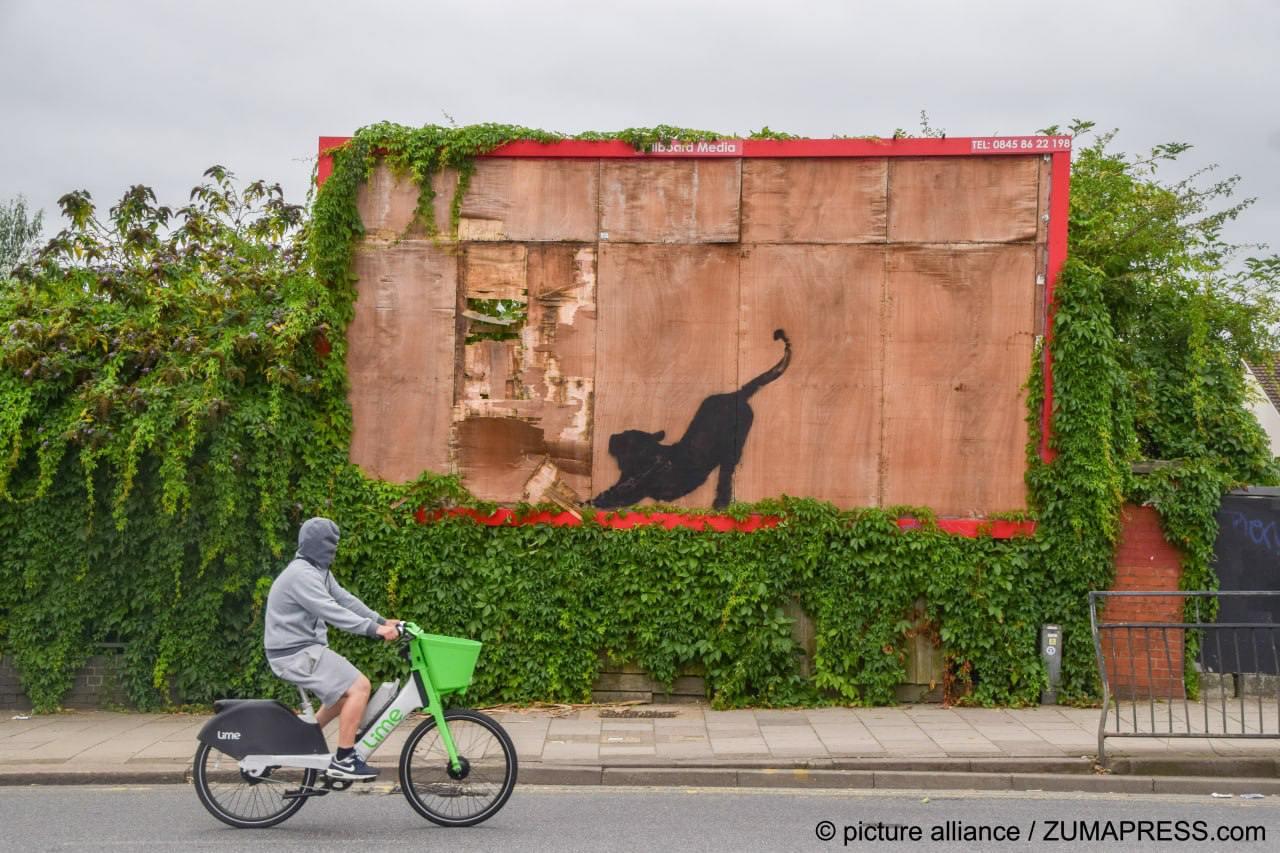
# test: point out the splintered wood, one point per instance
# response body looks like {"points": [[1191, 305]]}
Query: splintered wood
{"points": [[905, 287]]}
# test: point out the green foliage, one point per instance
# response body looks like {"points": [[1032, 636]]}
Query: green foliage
{"points": [[173, 404], [159, 380], [767, 133], [19, 234], [1183, 317], [503, 319], [1079, 492], [1167, 325], [548, 601]]}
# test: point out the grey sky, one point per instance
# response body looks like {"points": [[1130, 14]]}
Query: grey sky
{"points": [[102, 95]]}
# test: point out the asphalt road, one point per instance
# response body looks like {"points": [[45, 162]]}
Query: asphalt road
{"points": [[615, 819]]}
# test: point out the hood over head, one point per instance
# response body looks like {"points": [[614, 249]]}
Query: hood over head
{"points": [[318, 542]]}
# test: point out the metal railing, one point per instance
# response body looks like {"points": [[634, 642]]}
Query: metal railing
{"points": [[1149, 643]]}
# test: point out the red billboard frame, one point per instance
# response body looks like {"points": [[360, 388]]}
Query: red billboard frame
{"points": [[1055, 148]]}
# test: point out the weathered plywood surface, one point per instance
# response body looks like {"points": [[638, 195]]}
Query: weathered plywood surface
{"points": [[559, 340], [957, 350], [497, 456], [531, 200], [536, 391], [670, 201], [906, 286], [667, 340], [814, 201], [817, 427], [491, 371], [400, 358], [963, 199], [387, 203], [494, 271]]}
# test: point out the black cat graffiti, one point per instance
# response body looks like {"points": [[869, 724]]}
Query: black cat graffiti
{"points": [[714, 439]]}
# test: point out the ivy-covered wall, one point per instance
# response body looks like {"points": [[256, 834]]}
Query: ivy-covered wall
{"points": [[173, 404]]}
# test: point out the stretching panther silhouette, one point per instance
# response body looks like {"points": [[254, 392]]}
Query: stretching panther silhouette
{"points": [[714, 439]]}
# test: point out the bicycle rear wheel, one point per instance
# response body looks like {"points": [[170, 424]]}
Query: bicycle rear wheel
{"points": [[458, 799], [243, 801]]}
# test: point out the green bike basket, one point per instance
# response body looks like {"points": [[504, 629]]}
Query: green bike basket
{"points": [[450, 661]]}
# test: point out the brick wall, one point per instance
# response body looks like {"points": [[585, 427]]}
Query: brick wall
{"points": [[1143, 662], [96, 685], [11, 695]]}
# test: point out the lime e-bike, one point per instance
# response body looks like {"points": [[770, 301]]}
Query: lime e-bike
{"points": [[258, 762]]}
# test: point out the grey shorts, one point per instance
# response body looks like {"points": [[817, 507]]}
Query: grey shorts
{"points": [[318, 669]]}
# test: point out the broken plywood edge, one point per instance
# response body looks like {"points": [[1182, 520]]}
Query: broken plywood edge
{"points": [[565, 396], [497, 455], [530, 411], [546, 486], [564, 497], [489, 319]]}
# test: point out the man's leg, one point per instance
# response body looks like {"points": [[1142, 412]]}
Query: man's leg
{"points": [[350, 709], [333, 673], [329, 712]]}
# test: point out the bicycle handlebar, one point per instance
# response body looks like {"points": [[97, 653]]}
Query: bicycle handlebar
{"points": [[409, 628]]}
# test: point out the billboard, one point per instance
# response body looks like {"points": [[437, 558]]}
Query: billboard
{"points": [[849, 320]]}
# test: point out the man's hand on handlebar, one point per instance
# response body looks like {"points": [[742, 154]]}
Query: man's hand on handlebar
{"points": [[390, 630]]}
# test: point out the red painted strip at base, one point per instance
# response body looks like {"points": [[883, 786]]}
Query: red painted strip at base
{"points": [[615, 520], [970, 528]]}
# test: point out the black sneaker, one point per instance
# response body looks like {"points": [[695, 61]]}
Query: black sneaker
{"points": [[352, 768]]}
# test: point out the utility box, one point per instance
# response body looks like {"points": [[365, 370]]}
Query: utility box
{"points": [[1051, 655]]}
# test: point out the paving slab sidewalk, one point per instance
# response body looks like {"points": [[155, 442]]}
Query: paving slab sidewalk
{"points": [[920, 746]]}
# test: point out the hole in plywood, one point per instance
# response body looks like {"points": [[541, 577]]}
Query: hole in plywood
{"points": [[495, 319]]}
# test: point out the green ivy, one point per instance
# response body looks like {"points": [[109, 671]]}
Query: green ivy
{"points": [[1079, 493]]}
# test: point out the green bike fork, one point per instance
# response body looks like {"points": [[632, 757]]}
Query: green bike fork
{"points": [[436, 709]]}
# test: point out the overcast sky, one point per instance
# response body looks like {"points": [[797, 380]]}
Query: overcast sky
{"points": [[102, 95]]}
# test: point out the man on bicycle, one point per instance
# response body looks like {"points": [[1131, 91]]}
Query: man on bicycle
{"points": [[302, 600]]}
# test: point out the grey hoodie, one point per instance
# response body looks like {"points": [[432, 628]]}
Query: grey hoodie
{"points": [[305, 596]]}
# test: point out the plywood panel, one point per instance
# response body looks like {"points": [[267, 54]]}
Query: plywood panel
{"points": [[387, 203], [531, 200], [963, 199], [494, 271], [814, 201], [817, 426], [497, 456], [958, 348], [400, 358], [670, 201], [667, 341]]}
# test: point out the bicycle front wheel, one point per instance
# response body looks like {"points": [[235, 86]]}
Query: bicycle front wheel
{"points": [[482, 787], [244, 801]]}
